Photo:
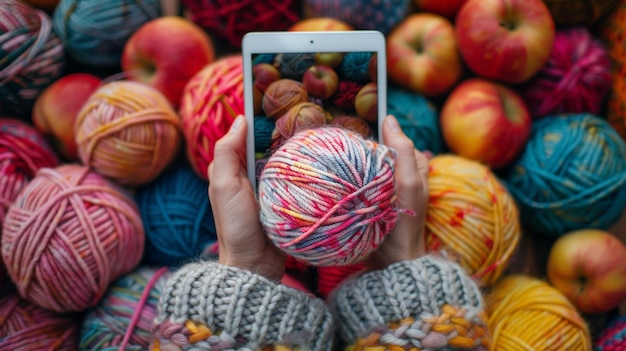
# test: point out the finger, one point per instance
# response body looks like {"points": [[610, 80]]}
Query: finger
{"points": [[406, 165], [422, 160], [229, 152]]}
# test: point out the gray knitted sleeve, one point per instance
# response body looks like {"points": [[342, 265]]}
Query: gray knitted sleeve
{"points": [[208, 306], [429, 303]]}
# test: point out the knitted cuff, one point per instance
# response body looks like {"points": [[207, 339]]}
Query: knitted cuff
{"points": [[428, 304], [209, 306]]}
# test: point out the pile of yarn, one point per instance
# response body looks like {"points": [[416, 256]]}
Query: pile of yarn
{"points": [[570, 176], [123, 319], [177, 217], [613, 337], [471, 216], [211, 101], [68, 235], [32, 55], [94, 32], [318, 201], [136, 116]]}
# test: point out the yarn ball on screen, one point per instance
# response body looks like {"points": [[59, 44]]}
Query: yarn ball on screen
{"points": [[361, 14], [330, 277], [128, 132], [282, 95], [355, 124], [293, 65], [263, 58], [231, 20], [123, 319], [263, 129], [529, 314], [345, 96], [571, 175], [301, 116], [354, 67], [211, 101], [68, 235], [613, 337], [32, 56], [417, 117], [26, 326], [579, 12], [94, 32], [471, 216], [177, 217], [576, 79], [327, 196]]}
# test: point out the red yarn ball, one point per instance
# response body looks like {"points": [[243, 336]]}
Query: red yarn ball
{"points": [[211, 101], [328, 278], [346, 95], [231, 19], [355, 124], [576, 78]]}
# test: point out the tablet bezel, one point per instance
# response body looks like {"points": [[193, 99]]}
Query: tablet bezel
{"points": [[302, 42]]}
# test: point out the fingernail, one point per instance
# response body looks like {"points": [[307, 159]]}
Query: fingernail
{"points": [[392, 123], [236, 124]]}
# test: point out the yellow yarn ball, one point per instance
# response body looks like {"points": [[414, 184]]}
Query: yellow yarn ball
{"points": [[128, 132], [472, 216], [528, 314]]}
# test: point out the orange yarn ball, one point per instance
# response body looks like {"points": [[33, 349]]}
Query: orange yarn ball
{"points": [[301, 116], [282, 95], [128, 132], [211, 101], [472, 216]]}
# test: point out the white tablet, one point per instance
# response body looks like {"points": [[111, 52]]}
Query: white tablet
{"points": [[291, 75]]}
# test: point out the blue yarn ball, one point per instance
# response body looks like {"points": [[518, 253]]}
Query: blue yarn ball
{"points": [[263, 128], [94, 32], [354, 66], [177, 217], [263, 58], [361, 14], [418, 118], [571, 175]]}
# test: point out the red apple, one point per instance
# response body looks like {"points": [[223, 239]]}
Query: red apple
{"points": [[57, 107], [366, 102], [317, 24], [422, 54], [320, 81], [445, 8], [505, 40], [589, 267], [166, 53], [486, 122], [330, 59], [372, 68], [264, 74]]}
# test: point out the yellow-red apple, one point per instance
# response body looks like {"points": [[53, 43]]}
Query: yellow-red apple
{"points": [[505, 40], [366, 102], [317, 24], [57, 107], [589, 267], [166, 53], [485, 121], [422, 54], [320, 81], [264, 74], [446, 8], [330, 59]]}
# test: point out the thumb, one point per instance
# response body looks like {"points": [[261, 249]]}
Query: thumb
{"points": [[229, 152]]}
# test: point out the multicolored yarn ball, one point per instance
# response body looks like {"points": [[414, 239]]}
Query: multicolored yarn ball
{"points": [[328, 278], [572, 175], [616, 109], [301, 116], [579, 12], [211, 101], [25, 326], [124, 318], [471, 216], [328, 197], [360, 14], [231, 20], [293, 66], [128, 132], [32, 56], [68, 235], [282, 95], [576, 79], [612, 31], [355, 124], [613, 337], [355, 67], [177, 217], [345, 95], [528, 314], [94, 32], [417, 117], [263, 129]]}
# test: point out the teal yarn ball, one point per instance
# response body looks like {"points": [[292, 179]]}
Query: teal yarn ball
{"points": [[263, 129], [571, 175], [417, 117], [111, 325], [354, 67], [94, 32], [177, 217]]}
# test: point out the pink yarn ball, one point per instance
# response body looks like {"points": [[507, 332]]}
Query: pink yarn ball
{"points": [[69, 234], [211, 101], [25, 326], [576, 78]]}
